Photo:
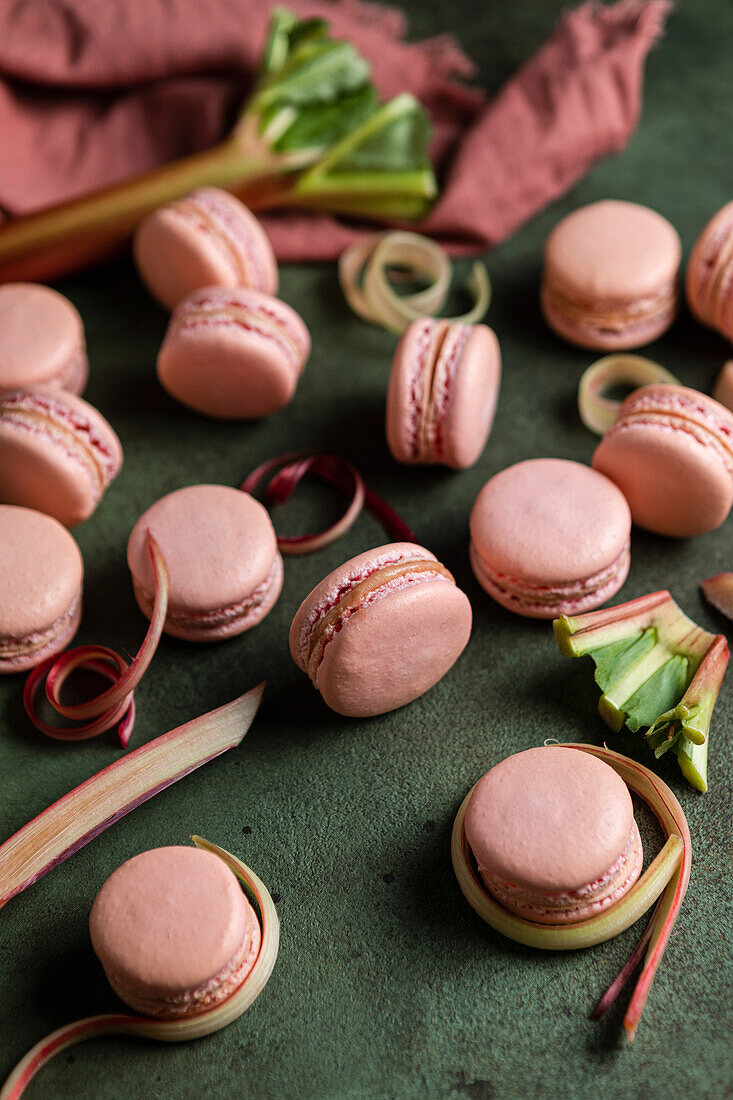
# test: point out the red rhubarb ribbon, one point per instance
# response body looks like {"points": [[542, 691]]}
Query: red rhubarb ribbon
{"points": [[335, 471], [115, 705]]}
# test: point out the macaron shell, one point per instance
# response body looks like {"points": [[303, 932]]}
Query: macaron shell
{"points": [[613, 251], [225, 373], [168, 920], [41, 338], [175, 255], [40, 468], [395, 649], [41, 571], [674, 484], [549, 521], [472, 401], [218, 543], [549, 819]]}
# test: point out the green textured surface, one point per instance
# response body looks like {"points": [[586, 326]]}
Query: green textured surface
{"points": [[387, 984]]}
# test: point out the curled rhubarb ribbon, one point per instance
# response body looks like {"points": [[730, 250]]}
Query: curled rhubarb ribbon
{"points": [[334, 471], [116, 705]]}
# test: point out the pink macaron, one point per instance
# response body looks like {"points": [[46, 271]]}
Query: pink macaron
{"points": [[233, 353], [670, 451], [709, 277], [550, 537], [41, 574], [381, 629], [174, 932], [553, 834], [41, 339], [57, 453], [442, 393], [207, 238], [610, 276], [224, 566]]}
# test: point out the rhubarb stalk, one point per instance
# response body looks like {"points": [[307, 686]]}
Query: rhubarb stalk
{"points": [[656, 668], [666, 878], [79, 816], [312, 135], [168, 1031]]}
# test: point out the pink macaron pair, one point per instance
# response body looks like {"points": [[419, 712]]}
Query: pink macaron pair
{"points": [[553, 834], [442, 393], [610, 276], [550, 537], [41, 339], [58, 454]]}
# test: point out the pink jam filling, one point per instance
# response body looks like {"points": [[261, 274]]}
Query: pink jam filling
{"points": [[69, 420]]}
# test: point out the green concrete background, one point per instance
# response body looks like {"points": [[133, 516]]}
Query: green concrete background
{"points": [[387, 983]]}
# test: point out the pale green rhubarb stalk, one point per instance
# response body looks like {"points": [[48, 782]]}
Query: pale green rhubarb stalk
{"points": [[656, 669], [312, 135], [74, 820]]}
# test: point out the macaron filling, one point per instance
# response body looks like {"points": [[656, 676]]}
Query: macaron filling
{"points": [[450, 354], [18, 649], [676, 412], [66, 428], [437, 354], [214, 311], [206, 996], [569, 906], [605, 318], [242, 614], [710, 278], [222, 222], [572, 596]]}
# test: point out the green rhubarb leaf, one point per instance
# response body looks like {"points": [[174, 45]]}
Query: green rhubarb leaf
{"points": [[614, 660], [316, 72], [321, 126], [662, 691]]}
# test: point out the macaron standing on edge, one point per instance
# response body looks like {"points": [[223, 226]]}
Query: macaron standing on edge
{"points": [[550, 537], [207, 238], [442, 393], [224, 566], [41, 573], [41, 339], [174, 932], [553, 834], [381, 630], [57, 453], [670, 451], [610, 276], [709, 276], [233, 353]]}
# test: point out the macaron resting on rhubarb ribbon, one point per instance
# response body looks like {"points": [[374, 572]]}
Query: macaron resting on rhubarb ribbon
{"points": [[381, 630], [553, 835], [57, 453], [442, 393], [550, 537], [224, 567], [670, 452], [174, 932], [41, 339], [234, 353], [41, 575], [207, 238], [610, 276], [709, 277]]}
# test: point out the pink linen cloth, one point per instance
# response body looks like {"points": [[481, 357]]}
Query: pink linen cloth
{"points": [[93, 92]]}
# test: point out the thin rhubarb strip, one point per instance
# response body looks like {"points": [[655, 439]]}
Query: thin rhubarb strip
{"points": [[335, 471], [167, 1031], [79, 816]]}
